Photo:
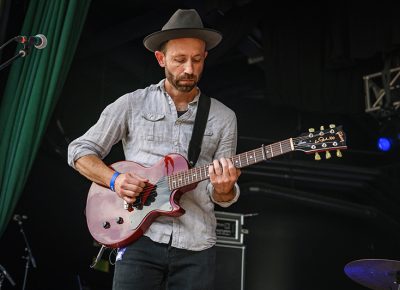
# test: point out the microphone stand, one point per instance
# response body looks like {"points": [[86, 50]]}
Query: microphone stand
{"points": [[29, 257]]}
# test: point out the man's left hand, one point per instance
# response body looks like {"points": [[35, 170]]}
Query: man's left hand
{"points": [[223, 176]]}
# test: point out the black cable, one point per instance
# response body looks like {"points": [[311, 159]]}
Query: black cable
{"points": [[7, 43]]}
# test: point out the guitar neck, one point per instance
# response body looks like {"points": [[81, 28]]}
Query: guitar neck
{"points": [[242, 160]]}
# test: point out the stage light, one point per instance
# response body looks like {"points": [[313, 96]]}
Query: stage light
{"points": [[384, 144], [388, 139]]}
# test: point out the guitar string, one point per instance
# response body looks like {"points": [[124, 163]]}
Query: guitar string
{"points": [[181, 178], [184, 176]]}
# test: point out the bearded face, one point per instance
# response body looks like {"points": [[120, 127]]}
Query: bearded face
{"points": [[183, 62], [184, 82]]}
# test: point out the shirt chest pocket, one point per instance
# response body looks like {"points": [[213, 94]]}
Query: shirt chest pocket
{"points": [[153, 126], [210, 142]]}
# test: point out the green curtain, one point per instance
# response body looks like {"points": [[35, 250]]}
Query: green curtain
{"points": [[33, 86]]}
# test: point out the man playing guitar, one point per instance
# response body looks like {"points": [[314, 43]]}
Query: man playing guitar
{"points": [[152, 123]]}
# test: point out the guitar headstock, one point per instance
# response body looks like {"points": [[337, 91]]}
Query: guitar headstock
{"points": [[324, 140]]}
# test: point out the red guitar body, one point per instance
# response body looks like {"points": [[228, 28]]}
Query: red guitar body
{"points": [[113, 223]]}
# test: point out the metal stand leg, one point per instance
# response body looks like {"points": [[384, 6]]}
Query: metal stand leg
{"points": [[29, 256], [26, 270], [1, 279]]}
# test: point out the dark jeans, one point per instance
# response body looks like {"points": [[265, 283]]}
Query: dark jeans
{"points": [[146, 265]]}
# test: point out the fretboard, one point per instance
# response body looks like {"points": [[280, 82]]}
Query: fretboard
{"points": [[197, 174]]}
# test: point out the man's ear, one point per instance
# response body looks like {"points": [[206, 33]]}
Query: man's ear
{"points": [[160, 58]]}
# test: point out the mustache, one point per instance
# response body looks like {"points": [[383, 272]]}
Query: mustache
{"points": [[186, 77]]}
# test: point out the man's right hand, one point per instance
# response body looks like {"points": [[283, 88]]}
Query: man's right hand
{"points": [[129, 185]]}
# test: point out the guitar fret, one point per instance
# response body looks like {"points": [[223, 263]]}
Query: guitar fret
{"points": [[250, 157], [263, 153], [204, 172], [180, 179], [235, 161], [194, 175], [186, 178]]}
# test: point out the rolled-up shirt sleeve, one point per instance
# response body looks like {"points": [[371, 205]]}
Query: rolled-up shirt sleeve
{"points": [[99, 139], [236, 189]]}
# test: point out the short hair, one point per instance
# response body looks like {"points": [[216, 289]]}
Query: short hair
{"points": [[163, 47]]}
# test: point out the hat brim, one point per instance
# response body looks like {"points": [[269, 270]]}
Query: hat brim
{"points": [[211, 37]]}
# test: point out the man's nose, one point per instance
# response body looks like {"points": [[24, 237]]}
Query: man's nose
{"points": [[189, 67]]}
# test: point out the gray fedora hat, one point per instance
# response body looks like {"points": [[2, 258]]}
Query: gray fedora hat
{"points": [[184, 23]]}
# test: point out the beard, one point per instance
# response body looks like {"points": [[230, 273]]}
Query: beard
{"points": [[183, 83]]}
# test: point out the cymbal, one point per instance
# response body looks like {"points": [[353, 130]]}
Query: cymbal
{"points": [[376, 274]]}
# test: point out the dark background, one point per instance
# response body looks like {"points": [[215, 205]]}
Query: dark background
{"points": [[283, 68]]}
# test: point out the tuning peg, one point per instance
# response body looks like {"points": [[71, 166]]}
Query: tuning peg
{"points": [[338, 153], [327, 155], [322, 128], [332, 126], [311, 130], [317, 156]]}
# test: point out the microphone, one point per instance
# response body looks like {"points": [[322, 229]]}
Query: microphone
{"points": [[39, 40], [5, 273], [19, 218]]}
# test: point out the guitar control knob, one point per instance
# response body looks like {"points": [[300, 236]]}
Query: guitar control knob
{"points": [[119, 220], [106, 225]]}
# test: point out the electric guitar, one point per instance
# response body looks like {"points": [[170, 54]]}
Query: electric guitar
{"points": [[114, 223]]}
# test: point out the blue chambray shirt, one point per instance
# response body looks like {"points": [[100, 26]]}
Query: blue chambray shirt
{"points": [[147, 123]]}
